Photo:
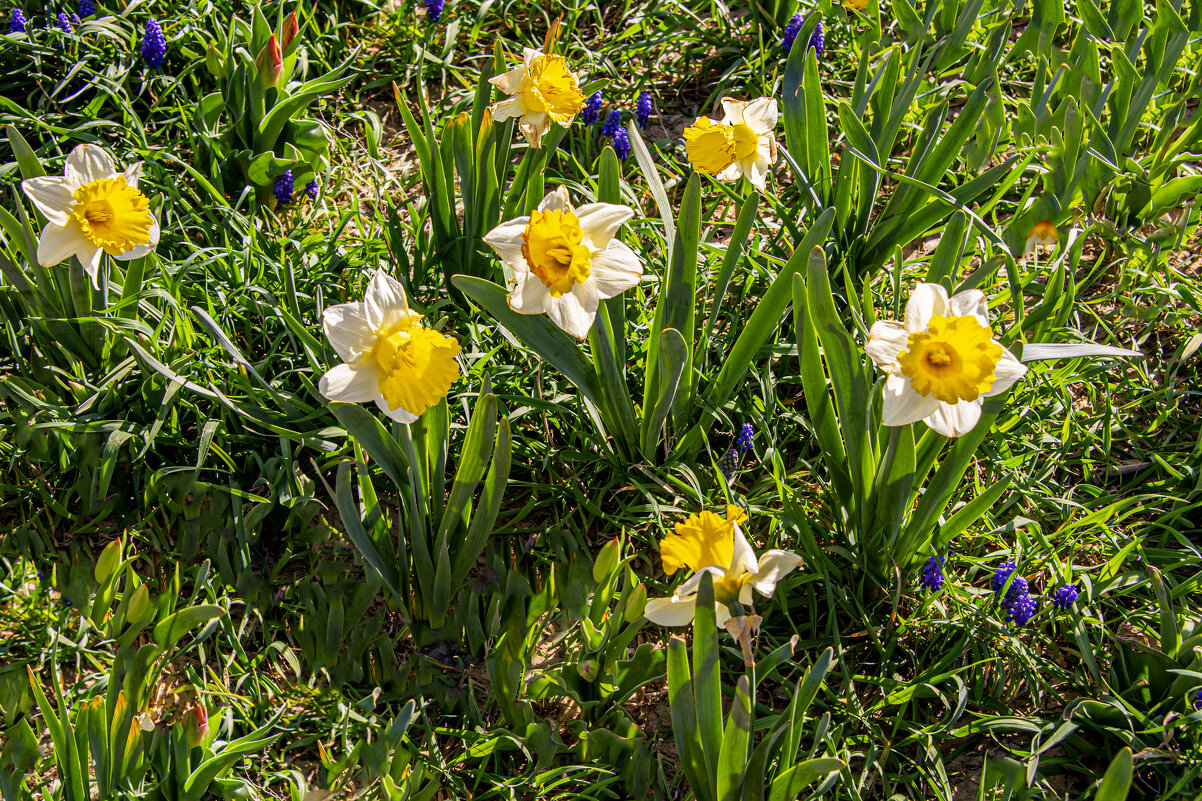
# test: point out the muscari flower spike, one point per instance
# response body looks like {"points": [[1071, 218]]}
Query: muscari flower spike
{"points": [[791, 31], [434, 9], [1021, 609], [1065, 597], [87, 8], [1002, 575], [64, 23], [75, 20], [621, 143], [728, 463], [154, 44], [283, 187], [818, 40], [592, 108], [1198, 700], [311, 189], [17, 22], [642, 110], [613, 123], [744, 440], [932, 573]]}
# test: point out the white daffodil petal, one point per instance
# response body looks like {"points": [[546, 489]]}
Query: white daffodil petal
{"points": [[732, 110], [133, 174], [533, 126], [885, 341], [510, 82], [694, 581], [743, 560], [89, 256], [903, 405], [956, 420], [59, 242], [506, 240], [970, 302], [385, 303], [91, 163], [347, 328], [600, 221], [400, 415], [721, 615], [756, 170], [761, 115], [529, 295], [569, 312], [671, 611], [556, 200], [1007, 371], [615, 270], [348, 384], [773, 566], [53, 195], [529, 54], [926, 301], [513, 107]]}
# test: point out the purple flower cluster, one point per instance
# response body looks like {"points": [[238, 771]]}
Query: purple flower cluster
{"points": [[1020, 606], [728, 463], [1021, 609], [154, 44], [87, 8], [283, 188], [745, 438], [311, 189], [592, 109], [817, 38], [17, 22], [64, 23], [932, 573], [642, 110], [621, 143], [613, 123], [1065, 596], [434, 9]]}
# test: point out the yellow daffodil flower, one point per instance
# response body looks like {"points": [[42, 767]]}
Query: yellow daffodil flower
{"points": [[943, 362], [708, 543], [741, 146], [566, 260], [542, 90], [92, 209], [1043, 234], [388, 356]]}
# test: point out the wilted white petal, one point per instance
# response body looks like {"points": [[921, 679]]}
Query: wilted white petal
{"points": [[926, 301], [133, 174], [533, 125], [956, 420], [732, 110], [1007, 371], [53, 195], [615, 270], [510, 82], [903, 405], [885, 341], [350, 384], [761, 114], [514, 107], [600, 221]]}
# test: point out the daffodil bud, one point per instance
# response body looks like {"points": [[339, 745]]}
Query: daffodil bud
{"points": [[270, 62], [138, 603], [288, 30], [607, 559], [636, 604]]}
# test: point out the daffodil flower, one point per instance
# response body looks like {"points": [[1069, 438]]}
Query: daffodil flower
{"points": [[92, 209], [708, 543], [388, 356], [741, 146], [566, 260], [1043, 234], [542, 90], [943, 362]]}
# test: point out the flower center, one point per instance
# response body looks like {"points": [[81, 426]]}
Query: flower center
{"points": [[552, 88], [113, 215], [417, 367], [746, 141], [954, 359], [712, 146], [552, 246]]}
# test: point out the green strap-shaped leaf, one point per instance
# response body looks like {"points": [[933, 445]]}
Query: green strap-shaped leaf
{"points": [[1116, 784], [732, 760], [684, 721], [707, 677]]}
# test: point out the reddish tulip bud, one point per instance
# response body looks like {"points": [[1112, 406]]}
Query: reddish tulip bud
{"points": [[270, 62], [196, 725], [288, 30]]}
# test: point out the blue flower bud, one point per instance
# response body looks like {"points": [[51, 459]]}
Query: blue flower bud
{"points": [[283, 188], [642, 109], [1065, 596], [311, 189], [932, 574], [592, 109], [87, 8], [791, 31], [154, 44], [613, 123], [434, 9], [64, 23], [17, 22], [745, 439], [728, 463], [621, 143]]}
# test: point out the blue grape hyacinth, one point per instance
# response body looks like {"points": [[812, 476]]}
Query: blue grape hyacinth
{"points": [[1002, 575], [791, 31], [1065, 596], [642, 110], [745, 440], [1198, 700], [64, 23], [592, 108], [87, 8], [434, 9], [621, 143], [932, 574], [613, 123], [818, 40], [311, 189], [17, 22], [1021, 609], [283, 188], [154, 44], [728, 463]]}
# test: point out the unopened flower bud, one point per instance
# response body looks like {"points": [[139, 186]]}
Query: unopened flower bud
{"points": [[270, 62], [288, 30]]}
